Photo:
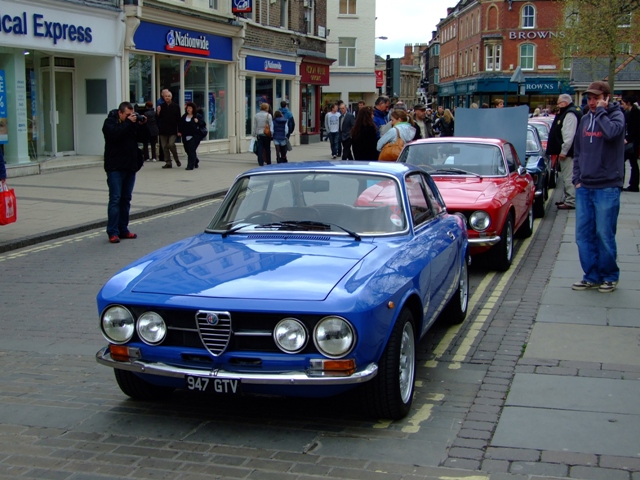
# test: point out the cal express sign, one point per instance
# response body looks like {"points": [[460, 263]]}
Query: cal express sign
{"points": [[38, 25]]}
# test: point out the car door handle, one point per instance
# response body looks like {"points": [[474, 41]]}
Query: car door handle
{"points": [[451, 235]]}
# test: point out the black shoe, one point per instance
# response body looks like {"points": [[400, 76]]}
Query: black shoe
{"points": [[189, 168], [167, 165], [178, 163], [629, 189]]}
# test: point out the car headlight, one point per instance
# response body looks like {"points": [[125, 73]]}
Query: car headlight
{"points": [[479, 221], [151, 328], [290, 335], [334, 336], [117, 324]]}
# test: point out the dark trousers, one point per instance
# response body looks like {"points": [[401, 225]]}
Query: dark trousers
{"points": [[281, 153], [120, 190], [190, 148], [264, 150], [153, 140], [346, 149], [632, 155]]}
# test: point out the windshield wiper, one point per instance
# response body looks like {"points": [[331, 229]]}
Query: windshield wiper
{"points": [[293, 224], [458, 171], [228, 232]]}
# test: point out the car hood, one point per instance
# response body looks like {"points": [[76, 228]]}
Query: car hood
{"points": [[467, 192], [272, 267]]}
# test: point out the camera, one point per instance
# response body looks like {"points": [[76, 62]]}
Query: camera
{"points": [[140, 118]]}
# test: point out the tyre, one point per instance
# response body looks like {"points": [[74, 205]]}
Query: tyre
{"points": [[538, 205], [526, 229], [553, 178], [138, 389], [502, 253], [456, 310], [390, 393]]}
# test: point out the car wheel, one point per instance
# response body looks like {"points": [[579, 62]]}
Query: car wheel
{"points": [[457, 308], [553, 178], [390, 393], [538, 205], [502, 253], [136, 388]]}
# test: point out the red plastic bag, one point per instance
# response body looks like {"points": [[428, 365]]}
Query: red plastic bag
{"points": [[8, 206]]}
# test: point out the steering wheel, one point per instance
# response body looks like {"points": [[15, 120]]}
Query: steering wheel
{"points": [[265, 216]]}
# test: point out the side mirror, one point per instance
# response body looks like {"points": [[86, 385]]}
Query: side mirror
{"points": [[522, 170]]}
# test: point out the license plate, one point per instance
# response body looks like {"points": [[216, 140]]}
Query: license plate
{"points": [[213, 385]]}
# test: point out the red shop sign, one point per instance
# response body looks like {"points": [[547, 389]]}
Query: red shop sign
{"points": [[379, 78], [314, 73]]}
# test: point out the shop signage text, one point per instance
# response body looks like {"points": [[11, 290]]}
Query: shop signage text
{"points": [[56, 31], [314, 73], [534, 34], [541, 86], [272, 66], [182, 42]]}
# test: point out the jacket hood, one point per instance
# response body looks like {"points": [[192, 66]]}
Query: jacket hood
{"points": [[407, 132]]}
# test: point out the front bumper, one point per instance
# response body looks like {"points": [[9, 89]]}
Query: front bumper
{"points": [[103, 357], [484, 241]]}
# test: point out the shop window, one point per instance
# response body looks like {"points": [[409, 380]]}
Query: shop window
{"points": [[169, 76], [96, 91], [216, 108], [347, 7], [264, 94], [140, 69], [347, 52], [527, 56], [248, 114], [528, 16]]}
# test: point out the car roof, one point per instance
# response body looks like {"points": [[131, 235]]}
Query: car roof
{"points": [[479, 140], [390, 168]]}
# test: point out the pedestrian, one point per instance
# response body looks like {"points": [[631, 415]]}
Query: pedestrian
{"points": [[332, 127], [261, 120], [288, 116], [3, 170], [380, 110], [347, 121], [400, 128], [632, 140], [422, 122], [536, 112], [361, 104], [560, 143], [364, 136], [598, 169], [121, 162], [445, 124], [169, 116], [280, 131], [190, 129], [499, 103], [152, 126]]}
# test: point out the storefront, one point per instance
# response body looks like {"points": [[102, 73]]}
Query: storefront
{"points": [[314, 73], [60, 69], [195, 66], [267, 79]]}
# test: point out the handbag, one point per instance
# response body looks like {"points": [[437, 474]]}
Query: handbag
{"points": [[8, 206], [203, 130], [289, 147], [253, 145], [267, 130], [391, 151]]}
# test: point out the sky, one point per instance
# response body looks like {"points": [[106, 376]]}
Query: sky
{"points": [[407, 21]]}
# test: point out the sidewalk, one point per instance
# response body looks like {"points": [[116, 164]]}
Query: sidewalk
{"points": [[63, 202]]}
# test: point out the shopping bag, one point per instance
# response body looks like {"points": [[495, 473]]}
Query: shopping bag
{"points": [[253, 145], [8, 207], [289, 147]]}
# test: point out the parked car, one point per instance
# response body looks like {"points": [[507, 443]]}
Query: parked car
{"points": [[311, 279], [543, 125], [483, 179], [538, 167]]}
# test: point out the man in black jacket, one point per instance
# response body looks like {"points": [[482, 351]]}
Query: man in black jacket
{"points": [[122, 159], [347, 121], [560, 143], [632, 140], [169, 115]]}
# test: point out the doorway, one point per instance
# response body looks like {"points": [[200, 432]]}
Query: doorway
{"points": [[58, 108]]}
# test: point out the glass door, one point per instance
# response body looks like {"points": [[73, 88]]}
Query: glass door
{"points": [[58, 108]]}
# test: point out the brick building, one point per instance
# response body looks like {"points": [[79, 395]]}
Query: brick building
{"points": [[483, 42]]}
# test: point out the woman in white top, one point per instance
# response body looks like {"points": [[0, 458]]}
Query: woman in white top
{"points": [[261, 119]]}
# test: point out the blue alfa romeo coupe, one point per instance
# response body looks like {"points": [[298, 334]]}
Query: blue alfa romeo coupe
{"points": [[311, 279]]}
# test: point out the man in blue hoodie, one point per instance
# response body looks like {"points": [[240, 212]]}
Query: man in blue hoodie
{"points": [[598, 173]]}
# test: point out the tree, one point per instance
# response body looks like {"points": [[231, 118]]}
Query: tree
{"points": [[599, 29]]}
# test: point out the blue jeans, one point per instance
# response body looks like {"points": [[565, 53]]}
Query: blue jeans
{"points": [[334, 139], [120, 190], [596, 222]]}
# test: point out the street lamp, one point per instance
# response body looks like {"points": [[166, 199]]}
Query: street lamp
{"points": [[518, 77], [381, 38]]}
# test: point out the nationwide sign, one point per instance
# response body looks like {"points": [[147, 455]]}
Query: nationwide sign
{"points": [[178, 41], [272, 66], [241, 6]]}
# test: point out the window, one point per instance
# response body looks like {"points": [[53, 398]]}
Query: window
{"points": [[567, 56], [284, 13], [420, 209], [625, 21], [347, 52], [213, 4], [347, 7], [435, 50], [527, 56], [310, 18], [493, 58], [436, 75], [528, 16]]}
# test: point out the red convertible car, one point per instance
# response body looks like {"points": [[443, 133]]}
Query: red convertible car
{"points": [[483, 179]]}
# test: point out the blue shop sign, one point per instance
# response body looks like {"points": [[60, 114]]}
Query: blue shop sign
{"points": [[162, 38], [270, 65], [542, 86]]}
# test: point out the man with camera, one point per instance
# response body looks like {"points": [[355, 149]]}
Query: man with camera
{"points": [[122, 159]]}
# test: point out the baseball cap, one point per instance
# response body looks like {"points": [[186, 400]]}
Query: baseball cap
{"points": [[599, 88], [420, 106]]}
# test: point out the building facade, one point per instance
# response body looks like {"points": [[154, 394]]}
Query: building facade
{"points": [[351, 40], [483, 42]]}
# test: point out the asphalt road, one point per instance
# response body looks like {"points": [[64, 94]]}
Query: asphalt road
{"points": [[63, 416]]}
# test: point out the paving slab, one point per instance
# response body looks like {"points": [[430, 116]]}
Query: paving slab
{"points": [[575, 393], [627, 295], [590, 343], [570, 431], [572, 314]]}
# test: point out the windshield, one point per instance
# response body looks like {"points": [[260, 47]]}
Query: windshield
{"points": [[455, 158], [335, 202], [532, 141], [543, 130]]}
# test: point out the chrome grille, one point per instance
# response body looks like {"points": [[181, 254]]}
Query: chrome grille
{"points": [[215, 330]]}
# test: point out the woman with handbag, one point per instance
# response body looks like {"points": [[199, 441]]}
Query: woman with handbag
{"points": [[190, 129], [262, 128], [391, 143]]}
